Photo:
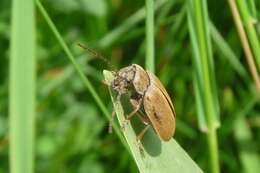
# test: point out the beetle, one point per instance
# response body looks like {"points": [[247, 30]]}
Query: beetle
{"points": [[148, 96], [149, 99]]}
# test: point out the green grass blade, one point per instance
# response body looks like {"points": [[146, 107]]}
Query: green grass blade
{"points": [[199, 104], [156, 156], [250, 29], [204, 74], [197, 79], [22, 87], [252, 7], [245, 43], [85, 80], [149, 35]]}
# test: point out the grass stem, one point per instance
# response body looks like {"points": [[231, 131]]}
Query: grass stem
{"points": [[249, 24], [246, 46]]}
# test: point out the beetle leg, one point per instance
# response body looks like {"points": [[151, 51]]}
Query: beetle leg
{"points": [[141, 134], [111, 121], [129, 116]]}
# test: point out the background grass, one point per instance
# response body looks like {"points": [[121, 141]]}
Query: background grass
{"points": [[71, 131]]}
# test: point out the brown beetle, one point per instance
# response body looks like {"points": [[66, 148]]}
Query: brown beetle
{"points": [[149, 98]]}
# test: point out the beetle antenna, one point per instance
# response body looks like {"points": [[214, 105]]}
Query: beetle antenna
{"points": [[96, 55]]}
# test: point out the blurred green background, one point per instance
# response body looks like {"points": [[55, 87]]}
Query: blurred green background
{"points": [[72, 133]]}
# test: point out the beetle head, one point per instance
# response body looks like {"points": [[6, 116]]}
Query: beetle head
{"points": [[124, 79]]}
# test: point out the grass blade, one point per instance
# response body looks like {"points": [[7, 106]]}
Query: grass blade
{"points": [[156, 156], [204, 74], [149, 35], [250, 29], [252, 7], [245, 43], [22, 87]]}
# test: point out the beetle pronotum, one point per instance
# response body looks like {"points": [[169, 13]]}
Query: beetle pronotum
{"points": [[148, 97]]}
